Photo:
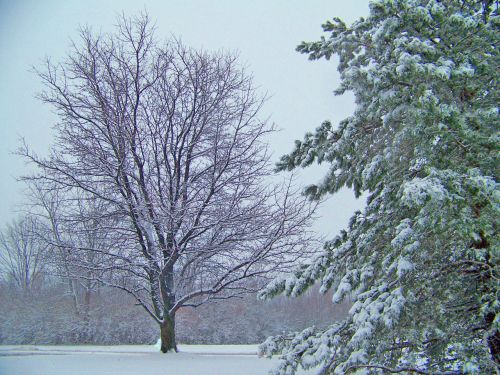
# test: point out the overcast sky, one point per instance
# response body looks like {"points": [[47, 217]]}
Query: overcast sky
{"points": [[264, 32]]}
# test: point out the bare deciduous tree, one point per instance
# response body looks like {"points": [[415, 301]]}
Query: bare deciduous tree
{"points": [[169, 141], [22, 253], [71, 227]]}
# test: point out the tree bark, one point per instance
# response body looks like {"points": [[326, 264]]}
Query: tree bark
{"points": [[167, 327], [167, 334]]}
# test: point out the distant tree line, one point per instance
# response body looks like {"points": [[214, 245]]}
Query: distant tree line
{"points": [[48, 309]]}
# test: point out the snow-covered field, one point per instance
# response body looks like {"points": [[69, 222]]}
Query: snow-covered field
{"points": [[133, 360]]}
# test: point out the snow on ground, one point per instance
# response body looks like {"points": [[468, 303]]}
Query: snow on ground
{"points": [[133, 360]]}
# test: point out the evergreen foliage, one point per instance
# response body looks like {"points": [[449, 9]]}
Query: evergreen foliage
{"points": [[421, 262]]}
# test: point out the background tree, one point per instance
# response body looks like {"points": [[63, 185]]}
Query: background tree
{"points": [[421, 261], [22, 254], [71, 227], [167, 139]]}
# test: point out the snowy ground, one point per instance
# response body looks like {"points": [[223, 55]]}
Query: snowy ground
{"points": [[133, 360]]}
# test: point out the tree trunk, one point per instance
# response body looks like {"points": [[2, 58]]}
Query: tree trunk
{"points": [[167, 328], [167, 334]]}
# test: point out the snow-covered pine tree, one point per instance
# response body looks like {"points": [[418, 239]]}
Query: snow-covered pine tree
{"points": [[421, 262]]}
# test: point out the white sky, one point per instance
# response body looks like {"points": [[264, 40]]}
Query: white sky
{"points": [[265, 32]]}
